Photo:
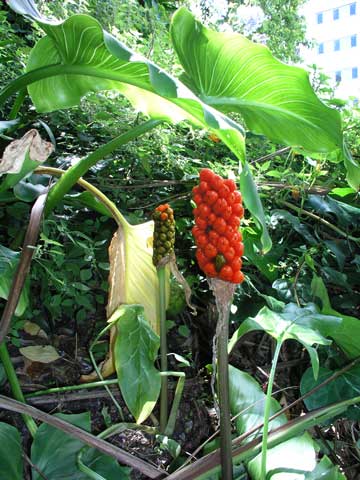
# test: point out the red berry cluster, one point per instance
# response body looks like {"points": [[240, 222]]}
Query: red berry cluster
{"points": [[217, 219]]}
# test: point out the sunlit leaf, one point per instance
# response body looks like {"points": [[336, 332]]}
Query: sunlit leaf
{"points": [[135, 350], [292, 323]]}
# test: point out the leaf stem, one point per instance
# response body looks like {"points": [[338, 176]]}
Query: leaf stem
{"points": [[163, 349], [268, 408], [15, 386]]}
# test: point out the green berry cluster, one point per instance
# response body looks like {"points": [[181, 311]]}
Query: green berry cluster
{"points": [[164, 232]]}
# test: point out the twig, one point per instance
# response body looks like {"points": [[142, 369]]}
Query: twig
{"points": [[301, 211], [282, 151]]}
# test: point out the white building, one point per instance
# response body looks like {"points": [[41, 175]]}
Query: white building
{"points": [[334, 26]]}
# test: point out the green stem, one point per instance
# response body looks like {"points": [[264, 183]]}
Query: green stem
{"points": [[72, 175], [15, 386], [163, 349], [97, 370], [113, 210], [70, 388], [224, 400], [170, 427], [17, 104], [268, 408]]}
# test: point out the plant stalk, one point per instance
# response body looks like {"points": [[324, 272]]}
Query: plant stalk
{"points": [[224, 400], [268, 408], [15, 386], [163, 349]]}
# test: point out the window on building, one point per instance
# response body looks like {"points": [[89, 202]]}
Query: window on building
{"points": [[320, 48], [336, 14], [354, 72], [338, 76], [320, 17], [353, 8], [336, 45], [353, 40]]}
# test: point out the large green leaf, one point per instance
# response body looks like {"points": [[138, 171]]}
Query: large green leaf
{"points": [[325, 470], [233, 74], [292, 323], [135, 350], [55, 453], [77, 57], [246, 396], [11, 462], [89, 59], [344, 387], [8, 264]]}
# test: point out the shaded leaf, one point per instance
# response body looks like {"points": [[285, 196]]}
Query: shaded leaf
{"points": [[344, 330], [344, 387], [11, 462], [8, 264], [135, 350]]}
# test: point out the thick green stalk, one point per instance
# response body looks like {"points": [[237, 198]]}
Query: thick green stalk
{"points": [[15, 386], [268, 408], [224, 400], [163, 349], [72, 175]]}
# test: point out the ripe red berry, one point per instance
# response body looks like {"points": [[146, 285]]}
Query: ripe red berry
{"points": [[203, 187], [213, 237], [210, 197], [220, 225], [238, 277], [238, 210], [201, 223], [210, 251], [236, 264], [206, 174], [210, 270], [238, 197], [230, 184], [229, 254], [197, 199], [201, 258], [223, 244], [202, 241], [204, 210], [239, 249], [224, 192], [226, 273]]}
